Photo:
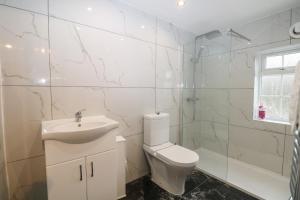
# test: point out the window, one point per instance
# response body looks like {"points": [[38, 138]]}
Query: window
{"points": [[273, 82]]}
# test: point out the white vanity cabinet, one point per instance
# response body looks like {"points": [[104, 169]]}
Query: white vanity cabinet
{"points": [[84, 171], [67, 180], [101, 176], [92, 178]]}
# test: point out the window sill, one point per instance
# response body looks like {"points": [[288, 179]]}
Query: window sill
{"points": [[272, 121]]}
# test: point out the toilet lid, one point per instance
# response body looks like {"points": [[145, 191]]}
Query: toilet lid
{"points": [[178, 156]]}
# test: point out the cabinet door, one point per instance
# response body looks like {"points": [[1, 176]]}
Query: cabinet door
{"points": [[102, 176], [67, 180]]}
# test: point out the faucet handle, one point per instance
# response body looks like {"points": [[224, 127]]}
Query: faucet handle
{"points": [[80, 111]]}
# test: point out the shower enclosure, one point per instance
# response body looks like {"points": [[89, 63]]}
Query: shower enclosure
{"points": [[205, 111]]}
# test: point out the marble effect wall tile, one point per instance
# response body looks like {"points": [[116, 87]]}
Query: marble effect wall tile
{"points": [[213, 71], [126, 105], [267, 30], [27, 179], [175, 134], [191, 137], [3, 182], [188, 107], [24, 109], [83, 56], [39, 6], [212, 105], [241, 112], [123, 19], [260, 148], [167, 101], [168, 68], [136, 160], [171, 36], [23, 47], [188, 71], [214, 136], [288, 154]]}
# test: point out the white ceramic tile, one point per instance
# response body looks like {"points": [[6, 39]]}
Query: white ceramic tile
{"points": [[267, 30], [188, 107], [213, 71], [188, 71], [3, 182], [171, 36], [241, 112], [175, 134], [40, 6], [242, 70], [27, 179], [24, 109], [288, 154], [214, 136], [260, 148], [191, 137], [168, 68], [83, 56], [212, 105], [136, 160], [126, 105], [23, 47], [167, 101], [108, 15]]}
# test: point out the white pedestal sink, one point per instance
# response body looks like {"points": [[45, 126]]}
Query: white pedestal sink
{"points": [[81, 160]]}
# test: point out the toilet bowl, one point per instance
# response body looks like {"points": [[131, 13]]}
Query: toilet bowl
{"points": [[170, 164]]}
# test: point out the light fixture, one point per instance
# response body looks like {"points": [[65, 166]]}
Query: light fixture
{"points": [[143, 27], [43, 50], [9, 46], [180, 3], [89, 8]]}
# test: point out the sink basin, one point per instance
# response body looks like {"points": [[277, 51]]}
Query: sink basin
{"points": [[70, 131]]}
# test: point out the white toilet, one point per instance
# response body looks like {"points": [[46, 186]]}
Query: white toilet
{"points": [[170, 164]]}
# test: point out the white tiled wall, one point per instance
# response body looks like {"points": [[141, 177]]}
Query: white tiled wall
{"points": [[101, 55], [224, 79]]}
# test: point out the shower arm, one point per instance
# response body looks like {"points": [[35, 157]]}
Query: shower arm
{"points": [[238, 35]]}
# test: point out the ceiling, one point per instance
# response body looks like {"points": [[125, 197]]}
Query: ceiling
{"points": [[200, 16]]}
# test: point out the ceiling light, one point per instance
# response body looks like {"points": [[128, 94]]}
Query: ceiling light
{"points": [[89, 8], [9, 46], [180, 3], [143, 27]]}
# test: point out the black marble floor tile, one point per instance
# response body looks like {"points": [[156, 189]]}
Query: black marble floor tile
{"points": [[199, 186]]}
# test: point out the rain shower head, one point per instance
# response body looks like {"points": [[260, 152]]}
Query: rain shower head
{"points": [[210, 35]]}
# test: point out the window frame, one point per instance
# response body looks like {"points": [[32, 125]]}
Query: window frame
{"points": [[261, 70]]}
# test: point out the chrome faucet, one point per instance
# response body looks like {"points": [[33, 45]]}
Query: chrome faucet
{"points": [[78, 115]]}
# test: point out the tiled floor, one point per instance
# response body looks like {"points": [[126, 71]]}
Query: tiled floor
{"points": [[198, 187]]}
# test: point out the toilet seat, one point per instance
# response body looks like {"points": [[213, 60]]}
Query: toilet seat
{"points": [[173, 154]]}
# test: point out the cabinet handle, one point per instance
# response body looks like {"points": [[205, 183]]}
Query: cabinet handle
{"points": [[80, 169], [92, 167]]}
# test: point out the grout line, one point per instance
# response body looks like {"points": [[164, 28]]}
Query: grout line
{"points": [[22, 9], [49, 63], [27, 158]]}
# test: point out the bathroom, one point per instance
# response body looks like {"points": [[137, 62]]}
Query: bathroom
{"points": [[140, 99]]}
